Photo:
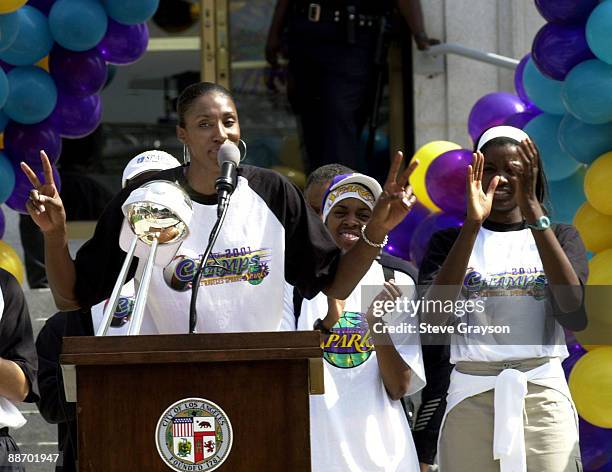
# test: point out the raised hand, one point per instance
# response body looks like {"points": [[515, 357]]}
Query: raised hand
{"points": [[525, 177], [397, 199], [45, 205], [479, 203], [390, 292]]}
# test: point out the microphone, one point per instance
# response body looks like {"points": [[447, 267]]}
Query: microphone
{"points": [[228, 158]]}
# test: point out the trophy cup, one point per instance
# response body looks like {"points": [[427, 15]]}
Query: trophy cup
{"points": [[158, 214]]}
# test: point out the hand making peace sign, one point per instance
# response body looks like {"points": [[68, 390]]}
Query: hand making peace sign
{"points": [[45, 205], [397, 199]]}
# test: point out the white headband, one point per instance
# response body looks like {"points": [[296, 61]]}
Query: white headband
{"points": [[501, 132]]}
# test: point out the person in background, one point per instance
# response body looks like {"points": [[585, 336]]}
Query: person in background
{"points": [[336, 49], [508, 404], [18, 367], [359, 424], [52, 404]]}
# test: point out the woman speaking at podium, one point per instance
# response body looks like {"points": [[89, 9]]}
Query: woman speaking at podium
{"points": [[270, 235]]}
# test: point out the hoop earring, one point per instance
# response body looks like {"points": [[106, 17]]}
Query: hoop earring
{"points": [[243, 157], [186, 155]]}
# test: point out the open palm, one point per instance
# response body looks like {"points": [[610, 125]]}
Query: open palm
{"points": [[479, 203], [45, 205]]}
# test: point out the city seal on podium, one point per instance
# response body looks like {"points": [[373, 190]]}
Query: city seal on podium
{"points": [[194, 434]]}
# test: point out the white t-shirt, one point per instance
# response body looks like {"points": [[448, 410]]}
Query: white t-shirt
{"points": [[355, 426], [270, 235]]}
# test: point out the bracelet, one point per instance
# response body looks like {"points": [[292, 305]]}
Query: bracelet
{"points": [[370, 243], [319, 326]]}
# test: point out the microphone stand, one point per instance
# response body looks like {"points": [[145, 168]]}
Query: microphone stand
{"points": [[193, 314]]}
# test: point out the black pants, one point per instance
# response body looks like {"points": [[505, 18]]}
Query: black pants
{"points": [[7, 447], [333, 89]]}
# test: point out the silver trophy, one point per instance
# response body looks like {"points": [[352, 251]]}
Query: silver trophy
{"points": [[157, 215]]}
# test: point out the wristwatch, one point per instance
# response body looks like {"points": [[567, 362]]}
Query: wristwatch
{"points": [[319, 326], [542, 223]]}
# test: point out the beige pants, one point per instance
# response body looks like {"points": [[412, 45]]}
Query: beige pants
{"points": [[551, 436]]}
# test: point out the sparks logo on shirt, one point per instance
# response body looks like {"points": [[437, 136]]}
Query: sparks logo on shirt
{"points": [[350, 344], [231, 265], [520, 281]]}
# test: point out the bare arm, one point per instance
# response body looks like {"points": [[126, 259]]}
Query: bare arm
{"points": [[413, 15], [562, 279], [13, 382], [447, 284], [279, 20], [395, 373], [47, 210]]}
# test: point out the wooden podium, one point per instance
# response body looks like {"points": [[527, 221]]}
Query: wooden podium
{"points": [[126, 384]]}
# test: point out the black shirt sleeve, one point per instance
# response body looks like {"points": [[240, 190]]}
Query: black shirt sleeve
{"points": [[16, 339], [311, 254], [574, 249]]}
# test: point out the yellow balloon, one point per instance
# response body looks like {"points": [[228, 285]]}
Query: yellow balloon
{"points": [[290, 154], [596, 335], [598, 292], [9, 6], [9, 261], [597, 186], [590, 382], [297, 177], [600, 268], [426, 154], [594, 227], [44, 63]]}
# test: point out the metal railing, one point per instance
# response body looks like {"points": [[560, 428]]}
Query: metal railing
{"points": [[459, 50]]}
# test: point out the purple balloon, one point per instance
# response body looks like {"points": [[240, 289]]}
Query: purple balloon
{"points": [[568, 363], [423, 233], [445, 180], [518, 79], [21, 192], [2, 224], [557, 49], [24, 142], [521, 119], [595, 447], [123, 44], [401, 235], [5, 66], [43, 6], [492, 110], [76, 117], [566, 11], [77, 73]]}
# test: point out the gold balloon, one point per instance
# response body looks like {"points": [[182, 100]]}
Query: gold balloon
{"points": [[426, 154], [297, 177], [9, 261], [597, 186], [43, 63], [598, 292], [590, 382], [9, 6], [600, 268], [594, 227], [596, 334]]}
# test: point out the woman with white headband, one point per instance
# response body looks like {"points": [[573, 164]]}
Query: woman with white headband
{"points": [[509, 408], [359, 423]]}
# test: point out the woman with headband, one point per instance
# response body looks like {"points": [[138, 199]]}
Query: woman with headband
{"points": [[359, 423], [508, 407]]}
